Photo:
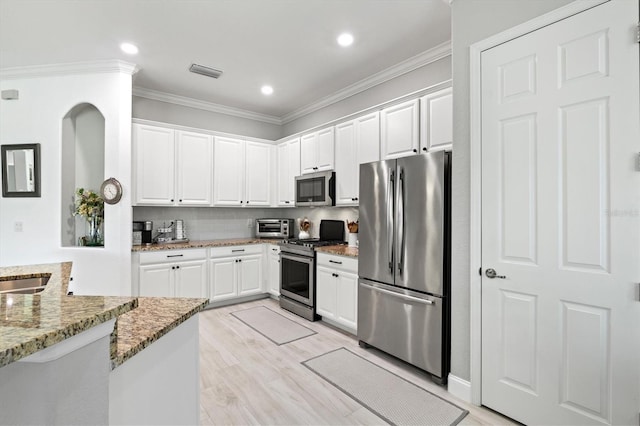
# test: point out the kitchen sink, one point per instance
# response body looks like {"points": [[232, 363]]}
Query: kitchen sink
{"points": [[28, 285]]}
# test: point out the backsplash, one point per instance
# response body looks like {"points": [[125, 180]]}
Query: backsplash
{"points": [[212, 223]]}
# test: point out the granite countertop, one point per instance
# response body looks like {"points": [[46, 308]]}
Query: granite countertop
{"points": [[340, 250], [206, 243], [32, 322]]}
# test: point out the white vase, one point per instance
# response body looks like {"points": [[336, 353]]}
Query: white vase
{"points": [[353, 239]]}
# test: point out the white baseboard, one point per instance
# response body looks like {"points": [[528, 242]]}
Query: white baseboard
{"points": [[459, 388]]}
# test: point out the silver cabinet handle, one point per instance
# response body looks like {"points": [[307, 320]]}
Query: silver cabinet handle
{"points": [[401, 296], [491, 273], [236, 251]]}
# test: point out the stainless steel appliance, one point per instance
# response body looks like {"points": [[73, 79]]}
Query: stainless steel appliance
{"points": [[298, 269], [404, 261], [274, 228], [137, 233], [147, 233], [316, 189]]}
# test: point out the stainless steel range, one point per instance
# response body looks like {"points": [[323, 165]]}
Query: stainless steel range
{"points": [[298, 269]]}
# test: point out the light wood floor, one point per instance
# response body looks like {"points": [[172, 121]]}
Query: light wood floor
{"points": [[245, 379]]}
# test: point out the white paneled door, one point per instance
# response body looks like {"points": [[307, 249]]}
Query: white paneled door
{"points": [[560, 221]]}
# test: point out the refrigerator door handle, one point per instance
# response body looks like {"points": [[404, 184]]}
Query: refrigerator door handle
{"points": [[400, 295], [390, 212], [400, 218]]}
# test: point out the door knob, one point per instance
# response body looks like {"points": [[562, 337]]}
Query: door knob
{"points": [[491, 273]]}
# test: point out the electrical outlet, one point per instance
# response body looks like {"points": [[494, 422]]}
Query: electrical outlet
{"points": [[17, 227], [249, 223]]}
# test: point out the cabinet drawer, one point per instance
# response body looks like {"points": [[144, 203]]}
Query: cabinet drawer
{"points": [[165, 256], [235, 250], [349, 264]]}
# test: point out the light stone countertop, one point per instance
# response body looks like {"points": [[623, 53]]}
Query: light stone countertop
{"points": [[340, 250], [206, 243], [32, 322]]}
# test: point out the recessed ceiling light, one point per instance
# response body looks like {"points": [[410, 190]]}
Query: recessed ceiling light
{"points": [[345, 39], [266, 90], [128, 48]]}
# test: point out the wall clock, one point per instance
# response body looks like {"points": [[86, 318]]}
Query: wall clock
{"points": [[111, 191]]}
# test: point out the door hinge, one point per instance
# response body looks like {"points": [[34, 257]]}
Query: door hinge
{"points": [[638, 32]]}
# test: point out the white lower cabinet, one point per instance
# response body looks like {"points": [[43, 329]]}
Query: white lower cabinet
{"points": [[235, 271], [273, 262], [173, 273], [337, 290]]}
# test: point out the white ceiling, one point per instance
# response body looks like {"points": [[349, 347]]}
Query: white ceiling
{"points": [[289, 44]]}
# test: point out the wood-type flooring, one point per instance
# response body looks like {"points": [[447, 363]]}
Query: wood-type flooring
{"points": [[246, 379]]}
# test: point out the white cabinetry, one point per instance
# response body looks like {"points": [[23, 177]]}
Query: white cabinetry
{"points": [[337, 290], [235, 271], [173, 273], [436, 120], [399, 127], [357, 142], [242, 172], [288, 168], [273, 268], [317, 151], [171, 167]]}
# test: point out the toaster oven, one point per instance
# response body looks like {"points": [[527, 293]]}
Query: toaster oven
{"points": [[274, 228]]}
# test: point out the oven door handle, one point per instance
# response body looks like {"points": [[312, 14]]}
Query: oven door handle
{"points": [[293, 257]]}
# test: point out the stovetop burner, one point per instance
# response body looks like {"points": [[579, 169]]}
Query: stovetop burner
{"points": [[312, 242]]}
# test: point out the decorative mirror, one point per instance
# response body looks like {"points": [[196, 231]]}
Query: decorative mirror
{"points": [[21, 170]]}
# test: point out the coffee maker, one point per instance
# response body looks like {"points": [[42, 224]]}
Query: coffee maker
{"points": [[147, 231]]}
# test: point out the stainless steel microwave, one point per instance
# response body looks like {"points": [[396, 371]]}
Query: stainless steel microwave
{"points": [[316, 189], [274, 228]]}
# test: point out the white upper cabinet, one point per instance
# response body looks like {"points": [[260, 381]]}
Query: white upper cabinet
{"points": [[317, 151], [241, 172], [153, 153], [436, 120], [258, 173], [228, 172], [399, 126], [357, 142], [172, 168], [194, 172], [288, 168]]}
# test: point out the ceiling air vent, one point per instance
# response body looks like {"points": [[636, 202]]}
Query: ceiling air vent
{"points": [[201, 69]]}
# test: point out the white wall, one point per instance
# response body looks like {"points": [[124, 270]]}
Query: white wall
{"points": [[472, 21], [37, 118], [164, 112]]}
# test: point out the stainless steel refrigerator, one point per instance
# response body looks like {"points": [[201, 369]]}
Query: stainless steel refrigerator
{"points": [[404, 260]]}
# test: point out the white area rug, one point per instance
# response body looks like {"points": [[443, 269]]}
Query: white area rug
{"points": [[272, 325], [394, 399]]}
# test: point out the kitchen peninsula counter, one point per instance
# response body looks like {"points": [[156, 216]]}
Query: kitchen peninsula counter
{"points": [[32, 322], [205, 243]]}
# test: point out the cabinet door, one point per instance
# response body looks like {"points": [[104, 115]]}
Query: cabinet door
{"points": [[325, 150], [325, 292], [258, 174], [154, 159], [228, 172], [222, 279], [250, 275], [191, 279], [347, 168], [368, 138], [436, 120], [399, 130], [309, 153], [273, 259], [347, 300], [194, 168], [156, 280], [283, 174]]}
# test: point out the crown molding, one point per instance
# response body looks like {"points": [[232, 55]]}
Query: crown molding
{"points": [[204, 105], [428, 56], [33, 71]]}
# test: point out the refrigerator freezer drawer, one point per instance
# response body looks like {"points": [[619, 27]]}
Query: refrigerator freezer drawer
{"points": [[407, 325]]}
